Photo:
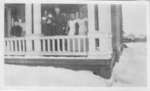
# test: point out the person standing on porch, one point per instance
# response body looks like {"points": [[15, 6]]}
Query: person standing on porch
{"points": [[60, 23], [83, 24], [71, 24], [50, 25], [76, 23], [83, 28], [44, 22], [17, 30]]}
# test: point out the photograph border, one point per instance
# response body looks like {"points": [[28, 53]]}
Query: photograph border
{"points": [[55, 88]]}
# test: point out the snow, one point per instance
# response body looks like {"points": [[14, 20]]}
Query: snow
{"points": [[44, 76], [130, 71]]}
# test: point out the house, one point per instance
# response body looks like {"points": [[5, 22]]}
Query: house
{"points": [[100, 46]]}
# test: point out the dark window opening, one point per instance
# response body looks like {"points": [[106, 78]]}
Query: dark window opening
{"points": [[96, 18], [97, 44], [32, 20]]}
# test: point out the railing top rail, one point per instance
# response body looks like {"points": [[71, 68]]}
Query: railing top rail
{"points": [[45, 37]]}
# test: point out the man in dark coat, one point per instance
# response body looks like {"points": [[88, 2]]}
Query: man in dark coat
{"points": [[16, 30], [60, 22]]}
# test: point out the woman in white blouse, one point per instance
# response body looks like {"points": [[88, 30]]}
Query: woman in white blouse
{"points": [[71, 24], [83, 25]]}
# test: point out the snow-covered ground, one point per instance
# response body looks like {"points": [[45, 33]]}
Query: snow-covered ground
{"points": [[132, 68], [130, 71]]}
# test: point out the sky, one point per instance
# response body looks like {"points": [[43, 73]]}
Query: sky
{"points": [[134, 19]]}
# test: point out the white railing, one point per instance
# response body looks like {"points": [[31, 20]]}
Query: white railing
{"points": [[51, 46]]}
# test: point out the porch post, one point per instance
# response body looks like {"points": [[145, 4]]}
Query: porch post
{"points": [[37, 26], [9, 25], [37, 19], [103, 33], [28, 19], [28, 27], [91, 29]]}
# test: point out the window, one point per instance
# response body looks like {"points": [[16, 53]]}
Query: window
{"points": [[96, 18], [97, 45]]}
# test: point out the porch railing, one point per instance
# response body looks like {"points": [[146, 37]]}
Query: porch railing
{"points": [[51, 46]]}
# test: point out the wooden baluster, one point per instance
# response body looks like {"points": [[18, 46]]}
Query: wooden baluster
{"points": [[68, 45], [8, 49], [48, 45], [87, 45], [79, 45], [19, 44], [63, 45], [58, 45], [23, 45], [6, 45], [33, 45], [53, 45], [84, 44], [76, 45], [11, 45], [44, 45], [73, 45], [17, 49], [14, 45]]}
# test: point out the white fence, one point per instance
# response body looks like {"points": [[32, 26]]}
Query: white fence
{"points": [[51, 46]]}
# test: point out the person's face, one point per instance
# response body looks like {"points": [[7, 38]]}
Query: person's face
{"points": [[72, 16], [15, 23], [81, 16], [45, 12], [19, 20], [57, 10], [77, 15], [50, 15]]}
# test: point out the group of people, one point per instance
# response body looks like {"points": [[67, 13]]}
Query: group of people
{"points": [[53, 24], [58, 23]]}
